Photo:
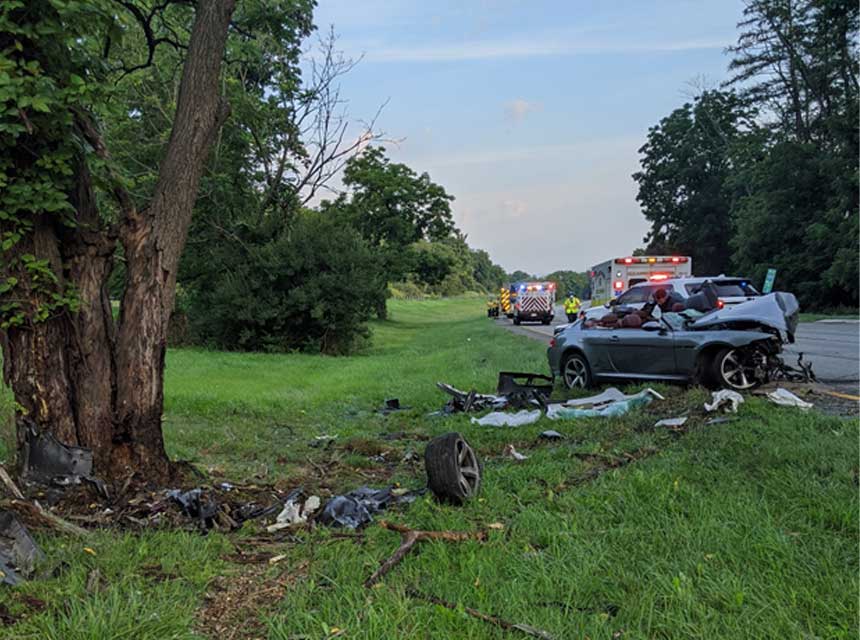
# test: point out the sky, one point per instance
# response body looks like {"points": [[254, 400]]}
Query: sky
{"points": [[530, 114]]}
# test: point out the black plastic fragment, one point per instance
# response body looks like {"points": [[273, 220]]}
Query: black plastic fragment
{"points": [[195, 505], [357, 507], [18, 550]]}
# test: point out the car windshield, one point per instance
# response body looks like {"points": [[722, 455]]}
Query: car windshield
{"points": [[727, 288]]}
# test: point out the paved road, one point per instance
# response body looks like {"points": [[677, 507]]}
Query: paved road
{"points": [[833, 347]]}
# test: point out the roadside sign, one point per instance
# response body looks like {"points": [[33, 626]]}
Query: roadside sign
{"points": [[768, 281]]}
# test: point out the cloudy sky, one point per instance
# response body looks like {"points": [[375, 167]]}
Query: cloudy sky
{"points": [[531, 113]]}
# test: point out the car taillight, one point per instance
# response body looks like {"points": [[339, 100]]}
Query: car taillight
{"points": [[720, 304], [552, 342]]}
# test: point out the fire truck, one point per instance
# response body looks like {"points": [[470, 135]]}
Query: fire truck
{"points": [[534, 301], [613, 277]]}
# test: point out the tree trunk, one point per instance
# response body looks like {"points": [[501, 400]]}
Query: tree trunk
{"points": [[78, 375]]}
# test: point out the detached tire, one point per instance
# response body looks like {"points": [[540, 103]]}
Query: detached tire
{"points": [[453, 470]]}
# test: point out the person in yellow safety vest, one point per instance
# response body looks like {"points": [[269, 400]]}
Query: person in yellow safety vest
{"points": [[572, 305]]}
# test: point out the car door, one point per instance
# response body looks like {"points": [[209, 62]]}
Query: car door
{"points": [[595, 344], [649, 352]]}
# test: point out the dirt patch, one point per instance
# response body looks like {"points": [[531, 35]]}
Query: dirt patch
{"points": [[233, 604], [365, 447]]}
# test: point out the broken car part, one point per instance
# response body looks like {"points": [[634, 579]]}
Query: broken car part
{"points": [[785, 398], [501, 419], [605, 409], [671, 422], [550, 434], [48, 461], [453, 470], [196, 505], [463, 401], [18, 550], [724, 399], [524, 389], [357, 507]]}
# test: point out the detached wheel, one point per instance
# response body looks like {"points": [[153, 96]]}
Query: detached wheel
{"points": [[733, 369], [453, 470], [575, 372]]}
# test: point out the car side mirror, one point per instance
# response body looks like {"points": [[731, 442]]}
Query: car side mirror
{"points": [[613, 302]]}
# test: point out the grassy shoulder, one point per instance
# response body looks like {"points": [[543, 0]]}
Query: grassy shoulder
{"points": [[742, 529]]}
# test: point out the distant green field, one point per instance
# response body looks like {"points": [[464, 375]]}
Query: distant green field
{"points": [[747, 529]]}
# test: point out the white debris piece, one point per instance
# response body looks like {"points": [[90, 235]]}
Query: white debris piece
{"points": [[511, 452], [786, 398], [501, 419], [724, 399], [294, 513], [671, 422]]}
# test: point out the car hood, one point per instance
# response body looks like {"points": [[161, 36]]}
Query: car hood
{"points": [[776, 310]]}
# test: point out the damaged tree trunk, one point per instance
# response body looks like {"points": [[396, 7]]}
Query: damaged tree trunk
{"points": [[89, 381]]}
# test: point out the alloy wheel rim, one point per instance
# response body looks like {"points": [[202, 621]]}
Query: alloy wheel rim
{"points": [[574, 373], [735, 373], [467, 465]]}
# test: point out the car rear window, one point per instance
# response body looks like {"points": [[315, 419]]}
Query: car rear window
{"points": [[727, 288], [642, 294]]}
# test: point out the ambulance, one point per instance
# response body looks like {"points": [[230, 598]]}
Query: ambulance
{"points": [[612, 278]]}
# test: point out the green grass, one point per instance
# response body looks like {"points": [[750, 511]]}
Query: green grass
{"points": [[747, 529]]}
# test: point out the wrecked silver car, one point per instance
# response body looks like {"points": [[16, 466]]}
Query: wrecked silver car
{"points": [[737, 347]]}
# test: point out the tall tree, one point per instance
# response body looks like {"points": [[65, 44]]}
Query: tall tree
{"points": [[797, 193], [67, 209], [392, 207], [682, 185]]}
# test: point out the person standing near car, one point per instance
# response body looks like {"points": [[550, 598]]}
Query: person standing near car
{"points": [[572, 305]]}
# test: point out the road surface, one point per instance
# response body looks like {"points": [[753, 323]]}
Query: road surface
{"points": [[833, 347]]}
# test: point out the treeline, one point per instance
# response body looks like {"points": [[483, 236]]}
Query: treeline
{"points": [[311, 278], [763, 171], [276, 259]]}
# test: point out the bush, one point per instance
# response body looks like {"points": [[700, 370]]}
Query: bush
{"points": [[311, 287]]}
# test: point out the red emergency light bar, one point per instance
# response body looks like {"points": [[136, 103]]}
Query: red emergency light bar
{"points": [[651, 260], [659, 276]]}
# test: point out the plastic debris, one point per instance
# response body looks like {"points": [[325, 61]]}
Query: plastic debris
{"points": [[725, 399], [510, 452], [671, 422], [550, 434], [18, 550], [609, 404], [500, 419], [785, 398], [195, 505], [356, 507], [524, 389], [50, 462], [390, 405], [466, 401], [294, 512]]}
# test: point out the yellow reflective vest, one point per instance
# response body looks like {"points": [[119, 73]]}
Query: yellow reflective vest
{"points": [[572, 305]]}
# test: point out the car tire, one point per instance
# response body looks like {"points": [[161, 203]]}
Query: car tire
{"points": [[453, 468], [576, 372], [727, 371], [517, 321]]}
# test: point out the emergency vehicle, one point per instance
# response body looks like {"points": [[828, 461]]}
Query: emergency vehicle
{"points": [[613, 277], [534, 301]]}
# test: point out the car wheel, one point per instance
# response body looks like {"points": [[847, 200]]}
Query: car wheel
{"points": [[731, 369], [516, 320], [575, 372], [453, 469]]}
